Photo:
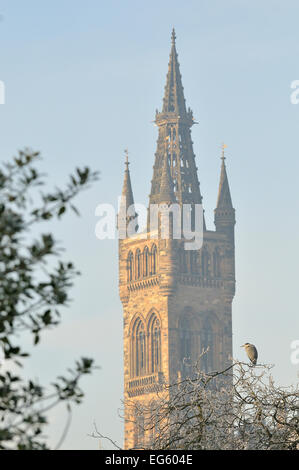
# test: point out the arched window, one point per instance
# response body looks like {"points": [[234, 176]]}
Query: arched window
{"points": [[185, 346], [139, 430], [138, 264], [138, 349], [154, 260], [155, 419], [145, 262], [130, 263], [207, 341], [155, 344], [216, 263], [193, 261], [205, 262], [183, 261], [185, 334]]}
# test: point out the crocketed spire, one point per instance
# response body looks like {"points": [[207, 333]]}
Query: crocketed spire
{"points": [[166, 193], [174, 141]]}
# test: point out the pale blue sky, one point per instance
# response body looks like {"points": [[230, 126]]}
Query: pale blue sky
{"points": [[83, 80]]}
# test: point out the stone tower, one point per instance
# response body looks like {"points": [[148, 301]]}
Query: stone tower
{"points": [[176, 302]]}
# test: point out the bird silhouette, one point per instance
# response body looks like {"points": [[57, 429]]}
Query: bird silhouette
{"points": [[251, 352]]}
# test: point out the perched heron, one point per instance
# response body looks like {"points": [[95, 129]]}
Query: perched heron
{"points": [[251, 352]]}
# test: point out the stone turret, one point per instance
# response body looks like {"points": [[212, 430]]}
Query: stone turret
{"points": [[224, 212], [126, 213]]}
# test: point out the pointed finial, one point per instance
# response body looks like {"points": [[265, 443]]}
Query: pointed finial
{"points": [[166, 183], [223, 146], [127, 159], [173, 37]]}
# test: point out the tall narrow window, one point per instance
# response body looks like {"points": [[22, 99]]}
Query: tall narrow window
{"points": [[205, 262], [139, 357], [155, 344], [138, 264], [155, 424], [130, 262], [183, 261], [207, 342], [216, 263], [145, 262], [193, 262], [154, 259], [185, 345], [185, 338], [139, 431]]}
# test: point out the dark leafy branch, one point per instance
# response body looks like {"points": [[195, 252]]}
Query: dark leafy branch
{"points": [[32, 293]]}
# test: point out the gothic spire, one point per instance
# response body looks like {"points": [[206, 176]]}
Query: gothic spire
{"points": [[174, 100], [174, 141], [127, 199], [224, 200], [127, 187], [224, 212]]}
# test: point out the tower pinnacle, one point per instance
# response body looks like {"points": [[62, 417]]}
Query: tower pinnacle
{"points": [[174, 141], [127, 199], [224, 198], [174, 100], [127, 187], [224, 212], [173, 37], [127, 159], [223, 146]]}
